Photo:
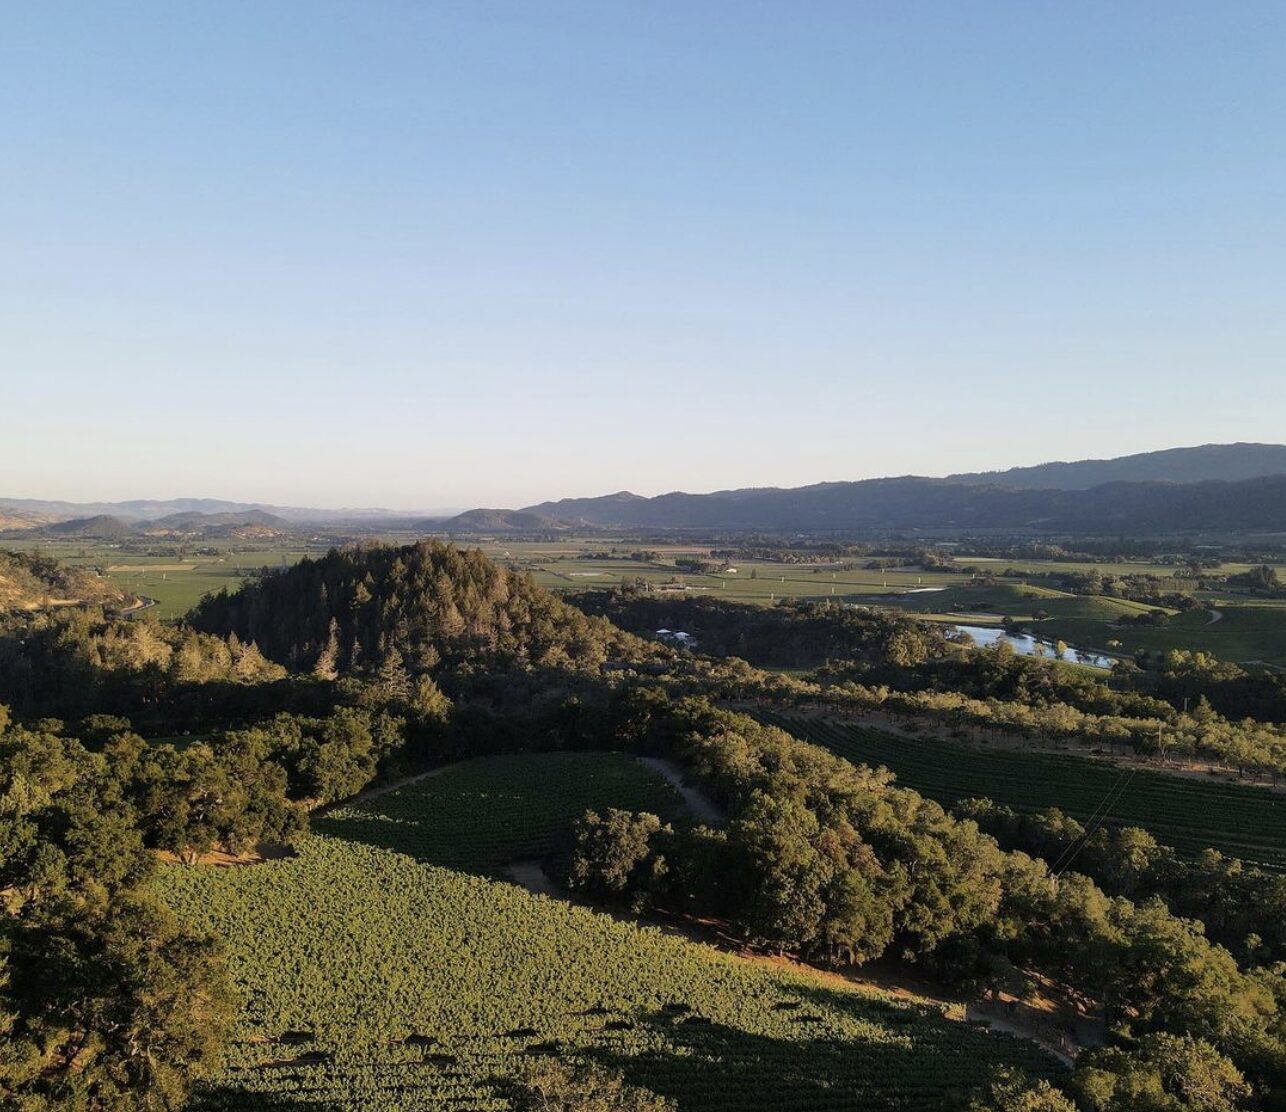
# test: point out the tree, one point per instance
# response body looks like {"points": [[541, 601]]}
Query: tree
{"points": [[327, 664], [1262, 579], [611, 855], [393, 680], [906, 647], [428, 704], [782, 875], [121, 1009], [1160, 1073], [553, 1086], [1012, 1091]]}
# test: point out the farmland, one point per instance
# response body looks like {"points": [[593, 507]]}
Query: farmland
{"points": [[1187, 813], [373, 975], [176, 576], [1249, 630]]}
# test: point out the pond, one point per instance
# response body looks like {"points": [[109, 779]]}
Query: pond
{"points": [[1026, 645]]}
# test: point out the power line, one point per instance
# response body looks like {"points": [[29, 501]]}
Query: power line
{"points": [[1114, 795]]}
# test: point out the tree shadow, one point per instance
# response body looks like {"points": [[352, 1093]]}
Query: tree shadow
{"points": [[472, 821], [232, 1098], [901, 1056], [455, 830]]}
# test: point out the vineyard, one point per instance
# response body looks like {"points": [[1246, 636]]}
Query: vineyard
{"points": [[480, 815], [1187, 813], [373, 978]]}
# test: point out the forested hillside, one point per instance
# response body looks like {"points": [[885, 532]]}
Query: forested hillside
{"points": [[426, 602]]}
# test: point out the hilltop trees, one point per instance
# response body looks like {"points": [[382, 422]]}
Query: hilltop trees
{"points": [[358, 608], [79, 661]]}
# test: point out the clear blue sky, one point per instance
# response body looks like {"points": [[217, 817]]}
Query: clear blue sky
{"points": [[448, 254]]}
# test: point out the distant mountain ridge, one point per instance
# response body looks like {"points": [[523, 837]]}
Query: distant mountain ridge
{"points": [[1228, 486], [150, 509], [498, 521], [190, 522], [100, 526], [1229, 462], [914, 503], [194, 519], [1211, 486]]}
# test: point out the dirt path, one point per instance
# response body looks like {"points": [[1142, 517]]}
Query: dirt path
{"points": [[381, 789], [698, 802], [532, 877]]}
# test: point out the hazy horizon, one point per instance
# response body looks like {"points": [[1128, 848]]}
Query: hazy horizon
{"points": [[485, 255], [376, 504]]}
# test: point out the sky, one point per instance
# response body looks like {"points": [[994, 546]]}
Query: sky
{"points": [[424, 255]]}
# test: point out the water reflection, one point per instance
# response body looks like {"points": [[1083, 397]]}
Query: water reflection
{"points": [[1027, 645]]}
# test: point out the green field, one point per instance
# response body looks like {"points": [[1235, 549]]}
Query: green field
{"points": [[997, 566], [175, 581], [1185, 812], [1020, 600], [1248, 631], [751, 582], [373, 976], [1244, 633]]}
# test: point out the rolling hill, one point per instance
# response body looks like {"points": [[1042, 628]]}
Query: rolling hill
{"points": [[99, 527], [496, 521], [423, 602], [194, 521]]}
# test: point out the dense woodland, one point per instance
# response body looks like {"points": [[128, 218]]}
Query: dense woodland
{"points": [[376, 661]]}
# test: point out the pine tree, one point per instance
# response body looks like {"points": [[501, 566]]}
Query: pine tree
{"points": [[327, 665]]}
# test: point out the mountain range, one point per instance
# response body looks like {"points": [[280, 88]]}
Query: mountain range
{"points": [[1214, 486], [1229, 462], [187, 523], [151, 509], [1209, 487]]}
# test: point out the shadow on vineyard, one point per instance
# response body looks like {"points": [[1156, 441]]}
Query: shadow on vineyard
{"points": [[224, 1098], [480, 815], [699, 1063]]}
